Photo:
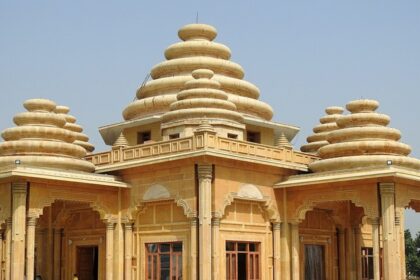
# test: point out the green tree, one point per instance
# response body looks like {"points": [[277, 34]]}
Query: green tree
{"points": [[412, 253]]}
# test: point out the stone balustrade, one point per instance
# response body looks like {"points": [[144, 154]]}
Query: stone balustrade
{"points": [[198, 142]]}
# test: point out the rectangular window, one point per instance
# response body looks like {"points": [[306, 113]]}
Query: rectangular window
{"points": [[233, 136], [242, 260], [164, 261], [174, 136], [367, 263], [143, 137], [254, 137]]}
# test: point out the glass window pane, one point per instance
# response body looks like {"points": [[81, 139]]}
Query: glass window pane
{"points": [[164, 267], [179, 267], [242, 247], [152, 248], [149, 267], [177, 247], [230, 246], [164, 247], [155, 274], [252, 247]]}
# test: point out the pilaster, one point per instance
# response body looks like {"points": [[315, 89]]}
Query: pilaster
{"points": [[376, 249], [57, 253], [109, 250], [295, 240], [8, 249], [342, 253], [215, 223], [391, 263], [350, 256], [30, 247], [193, 248], [285, 251], [19, 191], [128, 249], [205, 173], [358, 254], [276, 250]]}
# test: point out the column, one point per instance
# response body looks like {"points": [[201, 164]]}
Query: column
{"points": [[285, 251], [128, 249], [342, 253], [295, 251], [205, 173], [30, 247], [402, 244], [193, 248], [215, 248], [351, 262], [276, 250], [391, 265], [376, 249], [57, 254], [109, 250], [18, 230], [358, 255], [8, 248], [1, 254]]}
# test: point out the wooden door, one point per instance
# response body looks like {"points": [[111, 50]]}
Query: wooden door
{"points": [[87, 262]]}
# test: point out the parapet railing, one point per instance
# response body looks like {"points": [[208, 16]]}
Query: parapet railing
{"points": [[199, 141]]}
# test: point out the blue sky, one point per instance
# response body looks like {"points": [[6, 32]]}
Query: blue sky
{"points": [[303, 55]]}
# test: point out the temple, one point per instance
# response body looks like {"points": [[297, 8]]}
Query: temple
{"points": [[200, 183]]}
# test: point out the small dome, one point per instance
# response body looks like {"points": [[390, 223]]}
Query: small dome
{"points": [[327, 124], [196, 51], [363, 139], [200, 98], [81, 139], [40, 139]]}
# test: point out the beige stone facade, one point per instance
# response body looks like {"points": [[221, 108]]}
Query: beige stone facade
{"points": [[199, 183]]}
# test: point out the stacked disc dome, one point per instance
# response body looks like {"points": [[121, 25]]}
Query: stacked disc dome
{"points": [[321, 131], [200, 98], [81, 138], [196, 51], [41, 139], [363, 139]]}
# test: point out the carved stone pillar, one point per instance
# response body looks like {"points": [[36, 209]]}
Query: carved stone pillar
{"points": [[401, 241], [350, 256], [276, 251], [109, 250], [193, 248], [285, 251], [391, 263], [8, 248], [295, 251], [57, 254], [342, 253], [19, 190], [215, 248], [30, 247], [358, 254], [376, 249], [205, 173], [128, 249]]}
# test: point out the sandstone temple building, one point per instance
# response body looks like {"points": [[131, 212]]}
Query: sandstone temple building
{"points": [[200, 183]]}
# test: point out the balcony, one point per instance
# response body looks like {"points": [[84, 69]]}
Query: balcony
{"points": [[202, 141]]}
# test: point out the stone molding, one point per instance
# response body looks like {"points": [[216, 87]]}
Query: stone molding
{"points": [[345, 195], [205, 171], [266, 203]]}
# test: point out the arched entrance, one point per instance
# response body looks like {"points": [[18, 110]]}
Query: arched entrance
{"points": [[330, 242], [69, 240]]}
